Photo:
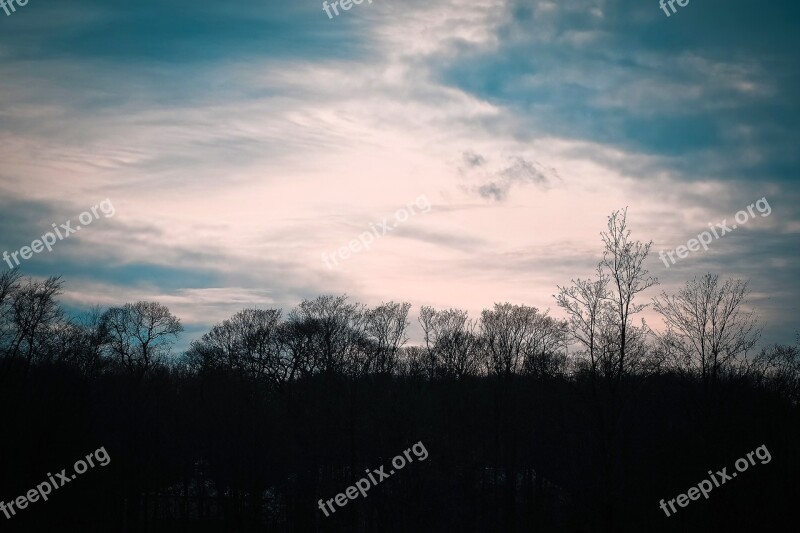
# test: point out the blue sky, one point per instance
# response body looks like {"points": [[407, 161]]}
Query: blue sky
{"points": [[239, 141]]}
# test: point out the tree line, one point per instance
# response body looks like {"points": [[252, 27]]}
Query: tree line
{"points": [[532, 420]]}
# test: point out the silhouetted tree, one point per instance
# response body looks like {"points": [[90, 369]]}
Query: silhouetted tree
{"points": [[586, 303], [779, 368], [708, 324], [79, 343], [623, 260], [545, 355], [385, 326], [335, 331], [9, 285], [452, 348], [34, 312], [140, 334]]}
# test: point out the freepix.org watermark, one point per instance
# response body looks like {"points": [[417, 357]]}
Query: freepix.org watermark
{"points": [[671, 3], [364, 484], [366, 239], [705, 486], [344, 4], [43, 489], [704, 239], [8, 6], [63, 231]]}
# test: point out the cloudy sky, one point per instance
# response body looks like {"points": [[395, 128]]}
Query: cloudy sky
{"points": [[239, 141]]}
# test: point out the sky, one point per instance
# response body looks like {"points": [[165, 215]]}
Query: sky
{"points": [[238, 142]]}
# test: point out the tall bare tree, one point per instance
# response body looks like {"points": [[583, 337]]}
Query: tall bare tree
{"points": [[623, 260]]}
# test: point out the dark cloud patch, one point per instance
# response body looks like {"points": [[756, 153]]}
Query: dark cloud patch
{"points": [[494, 191], [519, 172], [522, 171], [473, 160]]}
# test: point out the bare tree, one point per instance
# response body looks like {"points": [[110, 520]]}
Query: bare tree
{"points": [[600, 313], [779, 367], [413, 361], [451, 344], [78, 342], [385, 326], [623, 259], [545, 355], [217, 349], [708, 324], [510, 333], [34, 311], [248, 341], [202, 357], [140, 335], [9, 286], [585, 302], [297, 340], [334, 329]]}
